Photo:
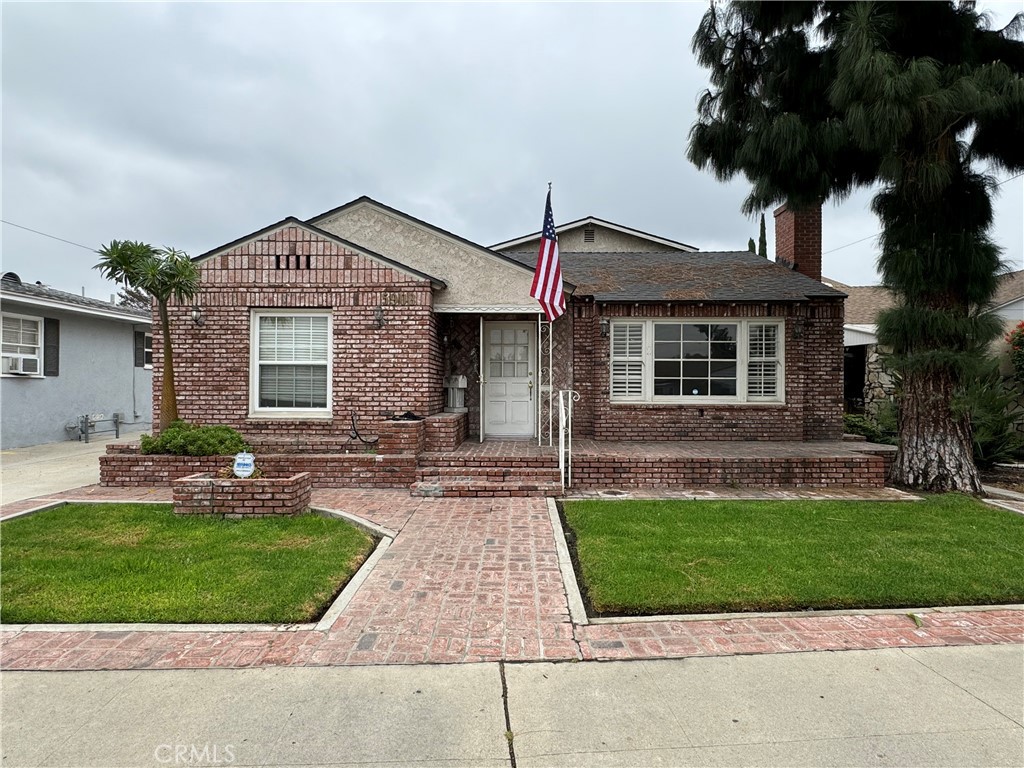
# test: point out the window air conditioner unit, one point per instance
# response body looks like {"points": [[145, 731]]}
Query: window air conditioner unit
{"points": [[20, 366]]}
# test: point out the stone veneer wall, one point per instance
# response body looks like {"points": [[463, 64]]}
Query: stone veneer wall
{"points": [[879, 384], [204, 494], [376, 372], [813, 408]]}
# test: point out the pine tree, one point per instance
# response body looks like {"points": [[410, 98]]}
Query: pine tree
{"points": [[811, 100], [750, 245], [762, 241]]}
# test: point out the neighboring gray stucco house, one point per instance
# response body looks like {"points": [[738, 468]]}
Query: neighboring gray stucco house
{"points": [[65, 356]]}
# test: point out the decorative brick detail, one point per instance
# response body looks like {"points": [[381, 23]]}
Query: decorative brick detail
{"points": [[375, 371], [332, 470], [445, 431], [401, 437], [204, 494], [798, 239]]}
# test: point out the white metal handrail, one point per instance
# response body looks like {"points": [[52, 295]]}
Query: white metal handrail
{"points": [[566, 398]]}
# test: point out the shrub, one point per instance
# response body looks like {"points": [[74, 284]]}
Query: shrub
{"points": [[874, 430], [1015, 339], [183, 439], [989, 399]]}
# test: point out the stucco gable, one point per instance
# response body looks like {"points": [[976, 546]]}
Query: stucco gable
{"points": [[594, 235], [476, 277]]}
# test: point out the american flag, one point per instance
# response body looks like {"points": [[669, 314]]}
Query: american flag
{"points": [[547, 279]]}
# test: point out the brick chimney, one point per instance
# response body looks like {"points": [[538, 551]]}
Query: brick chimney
{"points": [[798, 239]]}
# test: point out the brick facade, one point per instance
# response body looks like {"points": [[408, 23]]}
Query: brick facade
{"points": [[376, 371], [813, 407]]}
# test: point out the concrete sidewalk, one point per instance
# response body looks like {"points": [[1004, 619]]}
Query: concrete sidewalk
{"points": [[44, 469], [922, 706]]}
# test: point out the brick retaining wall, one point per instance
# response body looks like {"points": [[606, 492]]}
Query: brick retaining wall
{"points": [[126, 467], [204, 494], [867, 471]]}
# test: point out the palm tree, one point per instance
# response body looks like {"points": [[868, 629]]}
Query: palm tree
{"points": [[163, 274]]}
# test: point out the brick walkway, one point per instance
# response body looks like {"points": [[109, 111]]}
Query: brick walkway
{"points": [[472, 580]]}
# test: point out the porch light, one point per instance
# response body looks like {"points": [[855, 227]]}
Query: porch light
{"points": [[606, 327], [197, 316], [378, 316]]}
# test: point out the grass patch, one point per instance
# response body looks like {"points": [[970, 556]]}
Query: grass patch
{"points": [[651, 557], [84, 563]]}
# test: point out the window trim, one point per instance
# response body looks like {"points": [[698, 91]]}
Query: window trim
{"points": [[41, 347], [742, 362], [257, 412], [147, 350]]}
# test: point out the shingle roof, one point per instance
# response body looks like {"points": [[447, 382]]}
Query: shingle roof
{"points": [[864, 302], [1011, 286], [35, 291], [685, 276]]}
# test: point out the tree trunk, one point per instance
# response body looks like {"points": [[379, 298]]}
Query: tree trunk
{"points": [[168, 396], [935, 452]]}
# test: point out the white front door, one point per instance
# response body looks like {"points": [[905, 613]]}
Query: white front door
{"points": [[509, 389]]}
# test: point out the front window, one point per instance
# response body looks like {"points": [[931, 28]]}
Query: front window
{"points": [[291, 363], [696, 361], [22, 345]]}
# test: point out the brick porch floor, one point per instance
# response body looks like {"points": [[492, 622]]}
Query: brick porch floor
{"points": [[473, 580]]}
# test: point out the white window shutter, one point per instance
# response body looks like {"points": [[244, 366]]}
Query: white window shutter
{"points": [[627, 373]]}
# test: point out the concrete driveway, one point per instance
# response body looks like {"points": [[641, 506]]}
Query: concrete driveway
{"points": [[44, 469]]}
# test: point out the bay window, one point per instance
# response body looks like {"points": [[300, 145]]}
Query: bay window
{"points": [[290, 369], [696, 361]]}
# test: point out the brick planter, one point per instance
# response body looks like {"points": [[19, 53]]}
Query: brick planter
{"points": [[401, 437], [204, 494], [445, 431]]}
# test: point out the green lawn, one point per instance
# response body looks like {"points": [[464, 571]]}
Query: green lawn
{"points": [[651, 557], [142, 563]]}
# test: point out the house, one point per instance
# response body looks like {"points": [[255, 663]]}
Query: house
{"points": [[363, 311], [67, 356], [867, 381]]}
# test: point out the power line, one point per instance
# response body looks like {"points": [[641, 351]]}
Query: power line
{"points": [[878, 234], [44, 234], [869, 237]]}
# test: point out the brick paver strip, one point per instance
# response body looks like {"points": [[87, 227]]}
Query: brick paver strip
{"points": [[471, 580]]}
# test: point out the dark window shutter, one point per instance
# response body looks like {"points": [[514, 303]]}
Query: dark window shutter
{"points": [[51, 347], [140, 349]]}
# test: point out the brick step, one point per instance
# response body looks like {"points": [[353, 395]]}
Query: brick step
{"points": [[476, 488], [504, 462], [492, 474]]}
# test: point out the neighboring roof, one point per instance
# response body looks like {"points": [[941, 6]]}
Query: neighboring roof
{"points": [[291, 221], [865, 302], [39, 295], [686, 276], [365, 200], [593, 220], [1011, 288]]}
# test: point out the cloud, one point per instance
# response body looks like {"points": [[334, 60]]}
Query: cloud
{"points": [[192, 124]]}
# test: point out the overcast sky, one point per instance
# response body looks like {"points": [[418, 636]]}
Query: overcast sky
{"points": [[194, 124]]}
